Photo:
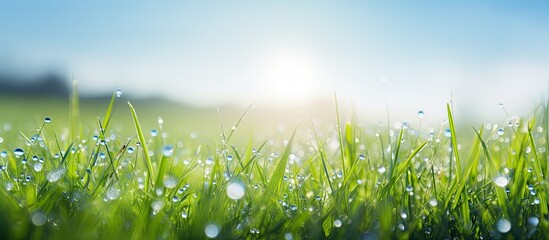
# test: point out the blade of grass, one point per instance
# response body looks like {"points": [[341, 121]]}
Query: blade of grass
{"points": [[399, 170], [454, 143], [148, 162], [278, 174], [74, 113]]}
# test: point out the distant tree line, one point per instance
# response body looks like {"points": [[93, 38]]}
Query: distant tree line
{"points": [[49, 84]]}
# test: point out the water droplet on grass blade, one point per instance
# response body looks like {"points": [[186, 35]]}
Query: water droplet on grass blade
{"points": [[381, 169], [420, 114], [130, 150], [503, 225], [170, 182], [235, 190], [113, 193], [501, 131], [229, 158], [447, 133], [433, 202], [18, 152], [38, 219], [288, 236], [184, 214], [55, 175], [337, 223], [533, 221], [211, 230], [157, 205], [38, 166], [167, 151], [119, 92], [47, 120], [501, 181]]}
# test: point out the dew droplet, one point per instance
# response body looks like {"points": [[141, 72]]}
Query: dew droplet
{"points": [[503, 225], [381, 169], [500, 105], [18, 152], [420, 114], [130, 150], [159, 191], [119, 92], [288, 236], [447, 133], [38, 218], [211, 230], [409, 188], [235, 190], [209, 161], [293, 207], [47, 120], [55, 175], [501, 181], [113, 193], [154, 133], [184, 214], [337, 223], [361, 157], [533, 221], [157, 205], [167, 151], [175, 199], [433, 202], [229, 158], [38, 166], [170, 182], [501, 131]]}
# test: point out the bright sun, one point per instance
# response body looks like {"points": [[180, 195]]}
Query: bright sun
{"points": [[288, 77]]}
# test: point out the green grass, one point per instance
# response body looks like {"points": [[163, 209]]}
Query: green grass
{"points": [[84, 177]]}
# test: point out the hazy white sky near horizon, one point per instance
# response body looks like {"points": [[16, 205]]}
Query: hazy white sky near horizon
{"points": [[409, 54]]}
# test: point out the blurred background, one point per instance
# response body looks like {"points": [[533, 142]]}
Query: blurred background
{"points": [[381, 57]]}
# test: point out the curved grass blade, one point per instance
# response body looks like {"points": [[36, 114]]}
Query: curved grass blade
{"points": [[278, 174], [400, 169], [148, 162]]}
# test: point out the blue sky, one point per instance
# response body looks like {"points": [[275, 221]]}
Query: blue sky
{"points": [[409, 54]]}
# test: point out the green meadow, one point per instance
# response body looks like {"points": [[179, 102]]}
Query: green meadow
{"points": [[143, 169]]}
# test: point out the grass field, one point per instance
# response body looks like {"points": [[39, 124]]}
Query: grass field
{"points": [[72, 170]]}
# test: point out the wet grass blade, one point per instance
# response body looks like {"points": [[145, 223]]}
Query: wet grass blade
{"points": [[74, 113], [278, 174], [400, 169], [453, 138], [110, 110], [141, 137]]}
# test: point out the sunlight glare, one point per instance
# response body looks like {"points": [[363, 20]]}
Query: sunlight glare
{"points": [[289, 76]]}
